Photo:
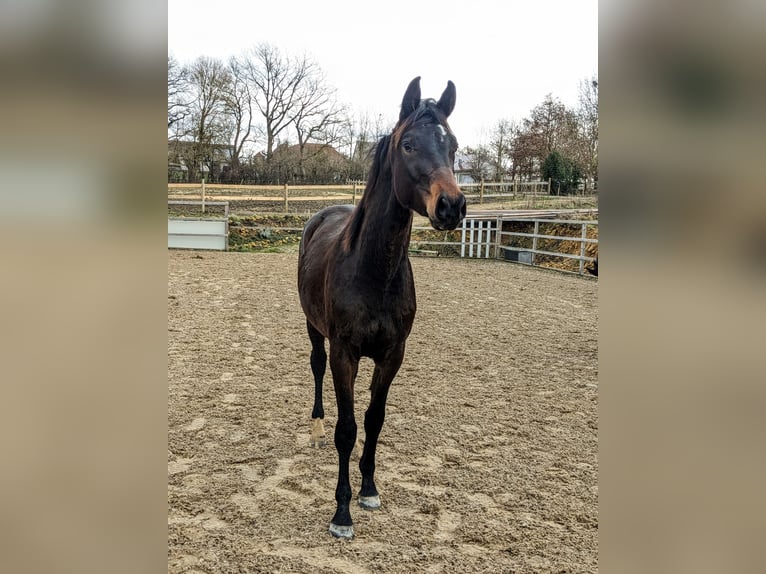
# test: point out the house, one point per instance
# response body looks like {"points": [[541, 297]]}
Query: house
{"points": [[463, 171], [318, 163], [190, 161]]}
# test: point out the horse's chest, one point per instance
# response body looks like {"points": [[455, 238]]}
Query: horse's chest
{"points": [[375, 322], [382, 331]]}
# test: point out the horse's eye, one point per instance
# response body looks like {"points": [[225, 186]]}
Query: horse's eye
{"points": [[407, 146]]}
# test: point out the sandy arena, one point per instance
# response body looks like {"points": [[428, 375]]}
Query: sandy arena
{"points": [[487, 461]]}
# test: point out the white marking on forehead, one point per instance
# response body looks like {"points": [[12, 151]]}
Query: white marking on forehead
{"points": [[442, 131]]}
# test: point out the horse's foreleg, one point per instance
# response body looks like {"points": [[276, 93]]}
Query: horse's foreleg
{"points": [[318, 366], [344, 368], [384, 373]]}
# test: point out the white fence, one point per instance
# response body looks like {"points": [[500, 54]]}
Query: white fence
{"points": [[515, 253], [482, 236], [199, 232], [476, 237]]}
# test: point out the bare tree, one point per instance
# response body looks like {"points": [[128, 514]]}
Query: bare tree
{"points": [[206, 126], [478, 161], [318, 116], [500, 148], [178, 107], [238, 109], [360, 134], [276, 84], [588, 117]]}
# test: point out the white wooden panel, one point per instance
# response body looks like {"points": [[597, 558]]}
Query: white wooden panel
{"points": [[197, 242], [197, 234], [196, 227]]}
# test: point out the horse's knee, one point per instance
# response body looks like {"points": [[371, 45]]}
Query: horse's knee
{"points": [[345, 435]]}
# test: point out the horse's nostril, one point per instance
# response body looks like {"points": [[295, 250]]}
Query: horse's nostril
{"points": [[442, 207]]}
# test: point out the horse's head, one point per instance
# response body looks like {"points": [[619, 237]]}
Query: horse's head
{"points": [[423, 155]]}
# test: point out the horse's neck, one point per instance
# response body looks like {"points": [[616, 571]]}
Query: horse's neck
{"points": [[383, 234]]}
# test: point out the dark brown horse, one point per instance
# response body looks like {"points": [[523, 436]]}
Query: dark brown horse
{"points": [[355, 279]]}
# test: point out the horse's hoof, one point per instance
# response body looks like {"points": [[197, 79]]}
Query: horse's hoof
{"points": [[317, 434], [341, 531], [369, 502]]}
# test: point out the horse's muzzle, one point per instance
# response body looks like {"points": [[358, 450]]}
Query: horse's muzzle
{"points": [[449, 212], [446, 203]]}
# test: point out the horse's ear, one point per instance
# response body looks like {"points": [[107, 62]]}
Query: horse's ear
{"points": [[447, 101], [411, 99]]}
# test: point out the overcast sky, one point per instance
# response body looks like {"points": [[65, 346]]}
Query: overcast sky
{"points": [[504, 56]]}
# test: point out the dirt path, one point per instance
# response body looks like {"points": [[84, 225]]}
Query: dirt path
{"points": [[487, 460]]}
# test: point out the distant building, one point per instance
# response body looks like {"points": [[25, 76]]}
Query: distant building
{"points": [[189, 161], [463, 171], [320, 163]]}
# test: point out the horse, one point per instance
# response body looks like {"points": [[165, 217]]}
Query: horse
{"points": [[355, 280]]}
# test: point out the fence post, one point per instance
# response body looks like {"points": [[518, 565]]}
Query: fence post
{"points": [[462, 240], [470, 244], [481, 192], [582, 248], [549, 186], [534, 240], [285, 197], [489, 239], [353, 200], [479, 238], [498, 230], [203, 195]]}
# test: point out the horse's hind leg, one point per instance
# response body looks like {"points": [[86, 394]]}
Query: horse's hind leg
{"points": [[318, 366], [384, 373]]}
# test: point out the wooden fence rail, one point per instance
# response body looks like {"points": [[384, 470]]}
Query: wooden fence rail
{"points": [[482, 234], [282, 195], [272, 191]]}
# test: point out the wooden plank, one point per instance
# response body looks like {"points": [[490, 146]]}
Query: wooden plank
{"points": [[196, 227], [216, 187], [557, 237], [551, 253], [207, 242]]}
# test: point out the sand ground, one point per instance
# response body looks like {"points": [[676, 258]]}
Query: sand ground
{"points": [[488, 457]]}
